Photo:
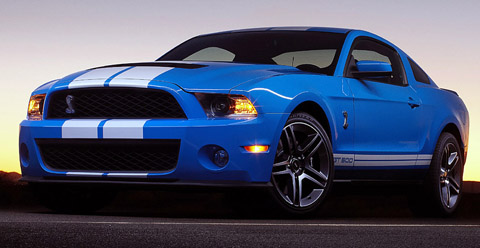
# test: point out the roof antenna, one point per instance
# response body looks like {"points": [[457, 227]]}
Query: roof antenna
{"points": [[293, 59]]}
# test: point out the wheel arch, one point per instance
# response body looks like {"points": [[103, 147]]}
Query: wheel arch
{"points": [[455, 131], [315, 110]]}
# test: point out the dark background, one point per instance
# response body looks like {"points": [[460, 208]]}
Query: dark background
{"points": [[355, 215]]}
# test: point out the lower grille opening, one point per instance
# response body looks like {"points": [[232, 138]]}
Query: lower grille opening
{"points": [[104, 155]]}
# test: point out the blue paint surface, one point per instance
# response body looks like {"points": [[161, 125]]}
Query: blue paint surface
{"points": [[381, 119]]}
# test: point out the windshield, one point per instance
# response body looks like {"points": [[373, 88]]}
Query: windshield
{"points": [[309, 51]]}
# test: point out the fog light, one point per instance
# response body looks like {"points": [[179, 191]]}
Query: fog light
{"points": [[221, 158], [256, 148], [24, 155]]}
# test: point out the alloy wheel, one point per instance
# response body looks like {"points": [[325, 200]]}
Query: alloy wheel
{"points": [[302, 165], [449, 176]]}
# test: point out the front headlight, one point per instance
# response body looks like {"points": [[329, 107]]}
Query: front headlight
{"points": [[222, 105], [35, 107]]}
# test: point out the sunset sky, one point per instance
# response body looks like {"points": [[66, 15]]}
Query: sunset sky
{"points": [[45, 40]]}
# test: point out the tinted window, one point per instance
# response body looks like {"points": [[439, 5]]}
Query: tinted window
{"points": [[418, 73], [361, 55], [211, 54], [313, 51], [320, 58], [367, 49]]}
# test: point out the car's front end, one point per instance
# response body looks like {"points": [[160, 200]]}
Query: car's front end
{"points": [[211, 112], [102, 126]]}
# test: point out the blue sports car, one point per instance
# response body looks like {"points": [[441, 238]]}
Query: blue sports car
{"points": [[288, 109]]}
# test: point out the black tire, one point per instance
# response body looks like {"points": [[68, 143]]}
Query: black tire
{"points": [[302, 174], [72, 199], [443, 185]]}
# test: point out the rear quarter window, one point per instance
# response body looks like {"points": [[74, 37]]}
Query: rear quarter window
{"points": [[418, 73]]}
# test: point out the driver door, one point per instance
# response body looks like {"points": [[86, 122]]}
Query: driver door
{"points": [[387, 110]]}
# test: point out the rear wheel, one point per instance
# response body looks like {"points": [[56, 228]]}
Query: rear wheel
{"points": [[303, 168], [444, 182]]}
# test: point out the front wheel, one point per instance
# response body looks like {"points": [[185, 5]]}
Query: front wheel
{"points": [[303, 170]]}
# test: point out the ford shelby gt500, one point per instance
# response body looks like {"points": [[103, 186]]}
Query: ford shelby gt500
{"points": [[289, 109]]}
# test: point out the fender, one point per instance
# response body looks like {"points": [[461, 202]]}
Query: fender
{"points": [[463, 136], [331, 94]]}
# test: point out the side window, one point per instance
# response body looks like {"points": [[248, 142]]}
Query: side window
{"points": [[367, 49], [418, 73]]}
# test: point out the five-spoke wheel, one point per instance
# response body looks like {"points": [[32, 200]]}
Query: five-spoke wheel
{"points": [[450, 176], [443, 183], [303, 167]]}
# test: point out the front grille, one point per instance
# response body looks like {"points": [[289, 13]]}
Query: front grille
{"points": [[113, 103], [109, 155]]}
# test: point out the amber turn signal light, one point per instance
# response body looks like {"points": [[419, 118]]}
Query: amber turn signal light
{"points": [[256, 148]]}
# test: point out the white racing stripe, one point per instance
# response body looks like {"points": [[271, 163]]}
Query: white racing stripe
{"points": [[123, 129], [131, 77], [84, 173], [80, 129], [121, 174], [425, 156], [381, 160], [95, 78], [385, 163], [385, 157], [423, 162]]}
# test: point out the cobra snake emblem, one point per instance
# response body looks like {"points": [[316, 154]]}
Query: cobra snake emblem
{"points": [[70, 109]]}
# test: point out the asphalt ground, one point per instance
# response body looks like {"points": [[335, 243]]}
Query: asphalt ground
{"points": [[37, 229], [352, 217]]}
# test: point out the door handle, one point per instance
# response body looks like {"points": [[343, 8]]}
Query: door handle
{"points": [[413, 104]]}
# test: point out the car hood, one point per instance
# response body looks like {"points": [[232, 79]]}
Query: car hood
{"points": [[189, 76]]}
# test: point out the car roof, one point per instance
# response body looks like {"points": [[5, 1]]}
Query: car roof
{"points": [[293, 28]]}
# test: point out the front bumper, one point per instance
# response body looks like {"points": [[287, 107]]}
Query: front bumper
{"points": [[193, 166]]}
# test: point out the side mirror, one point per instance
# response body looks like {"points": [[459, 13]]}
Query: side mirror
{"points": [[370, 69]]}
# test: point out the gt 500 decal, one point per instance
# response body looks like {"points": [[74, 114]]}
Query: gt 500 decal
{"points": [[343, 159]]}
